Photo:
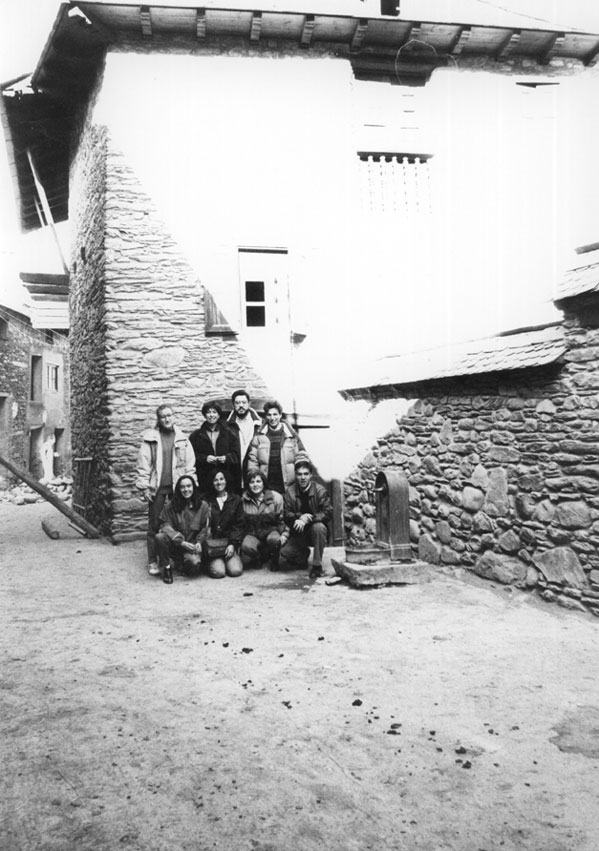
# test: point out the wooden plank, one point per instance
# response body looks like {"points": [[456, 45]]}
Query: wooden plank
{"points": [[256, 26], [460, 41], [591, 58], [75, 518], [145, 21], [200, 23], [556, 41], [359, 34], [508, 45], [307, 31]]}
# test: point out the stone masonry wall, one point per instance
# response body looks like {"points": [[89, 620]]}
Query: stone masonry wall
{"points": [[156, 346], [89, 426], [138, 337], [503, 474]]}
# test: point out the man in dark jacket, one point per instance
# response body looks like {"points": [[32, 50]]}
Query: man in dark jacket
{"points": [[307, 510], [244, 422]]}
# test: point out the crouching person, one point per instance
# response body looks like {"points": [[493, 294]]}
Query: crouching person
{"points": [[226, 530], [265, 530], [307, 511], [183, 531]]}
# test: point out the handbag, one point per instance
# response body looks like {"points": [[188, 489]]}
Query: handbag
{"points": [[216, 547]]}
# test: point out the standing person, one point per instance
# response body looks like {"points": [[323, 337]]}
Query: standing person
{"points": [[265, 530], [308, 510], [274, 449], [226, 530], [215, 447], [183, 530], [244, 422], [164, 456]]}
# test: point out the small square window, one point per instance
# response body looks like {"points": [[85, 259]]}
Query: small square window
{"points": [[254, 291], [255, 317]]}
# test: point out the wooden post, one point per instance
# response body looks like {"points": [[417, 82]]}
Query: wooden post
{"points": [[75, 518]]}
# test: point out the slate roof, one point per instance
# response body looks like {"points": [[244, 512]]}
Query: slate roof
{"points": [[582, 279], [519, 350]]}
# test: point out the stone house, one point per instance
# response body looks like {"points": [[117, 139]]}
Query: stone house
{"points": [[239, 198], [34, 397], [500, 446]]}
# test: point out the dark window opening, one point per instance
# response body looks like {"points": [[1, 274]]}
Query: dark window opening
{"points": [[255, 317], [35, 390], [254, 291]]}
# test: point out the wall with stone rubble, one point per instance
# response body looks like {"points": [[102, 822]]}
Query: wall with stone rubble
{"points": [[19, 412], [503, 473], [138, 339]]}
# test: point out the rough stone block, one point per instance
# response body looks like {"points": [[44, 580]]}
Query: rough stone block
{"points": [[502, 568], [400, 573], [561, 565]]}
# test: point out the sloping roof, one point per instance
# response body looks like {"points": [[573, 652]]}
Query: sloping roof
{"points": [[514, 351], [50, 300], [39, 115], [584, 279]]}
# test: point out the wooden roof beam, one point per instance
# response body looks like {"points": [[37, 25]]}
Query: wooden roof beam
{"points": [[460, 41], [200, 23], [556, 41], [508, 45], [145, 21], [307, 31], [359, 34], [256, 26], [413, 33], [591, 58]]}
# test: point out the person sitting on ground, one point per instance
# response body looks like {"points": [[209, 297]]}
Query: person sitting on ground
{"points": [[226, 530], [274, 449], [183, 530], [244, 422], [307, 511], [215, 447], [265, 530]]}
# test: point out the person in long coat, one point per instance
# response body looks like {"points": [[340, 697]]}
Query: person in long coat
{"points": [[215, 448]]}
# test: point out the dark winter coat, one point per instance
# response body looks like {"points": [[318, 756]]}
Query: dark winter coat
{"points": [[318, 500], [228, 523], [226, 444]]}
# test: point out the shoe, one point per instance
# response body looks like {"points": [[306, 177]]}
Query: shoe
{"points": [[167, 576], [316, 572], [153, 569]]}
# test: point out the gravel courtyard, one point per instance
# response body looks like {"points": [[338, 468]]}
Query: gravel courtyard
{"points": [[270, 712]]}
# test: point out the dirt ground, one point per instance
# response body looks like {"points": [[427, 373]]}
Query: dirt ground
{"points": [[269, 712]]}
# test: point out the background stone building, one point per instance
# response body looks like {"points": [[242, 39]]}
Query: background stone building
{"points": [[501, 449], [34, 397], [251, 192]]}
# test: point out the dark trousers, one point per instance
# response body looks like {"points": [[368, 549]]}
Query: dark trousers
{"points": [[297, 549], [190, 563], [253, 550], [155, 507]]}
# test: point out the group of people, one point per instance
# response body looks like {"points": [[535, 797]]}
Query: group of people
{"points": [[237, 493]]}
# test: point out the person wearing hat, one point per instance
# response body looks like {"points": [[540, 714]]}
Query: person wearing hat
{"points": [[307, 511], [215, 448]]}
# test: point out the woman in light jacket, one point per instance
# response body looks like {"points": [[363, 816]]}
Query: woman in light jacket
{"points": [[274, 449]]}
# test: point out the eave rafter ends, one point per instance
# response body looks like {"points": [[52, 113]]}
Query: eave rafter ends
{"points": [[145, 21], [359, 34], [509, 45], [556, 41], [307, 31], [201, 23], [460, 41], [256, 26]]}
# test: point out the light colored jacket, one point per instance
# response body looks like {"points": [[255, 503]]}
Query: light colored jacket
{"points": [[259, 452], [149, 460]]}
